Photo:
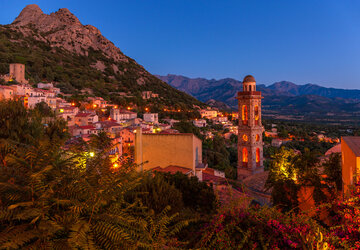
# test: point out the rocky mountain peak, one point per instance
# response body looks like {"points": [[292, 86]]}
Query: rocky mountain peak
{"points": [[28, 14], [65, 16], [63, 29]]}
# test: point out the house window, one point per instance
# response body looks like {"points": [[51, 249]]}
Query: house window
{"points": [[257, 137], [244, 115]]}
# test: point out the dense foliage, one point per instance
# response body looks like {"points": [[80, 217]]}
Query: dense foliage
{"points": [[290, 174]]}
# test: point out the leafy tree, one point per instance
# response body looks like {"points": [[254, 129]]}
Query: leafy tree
{"points": [[195, 194], [282, 180], [332, 170], [156, 193]]}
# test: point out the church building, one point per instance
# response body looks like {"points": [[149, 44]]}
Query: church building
{"points": [[250, 130]]}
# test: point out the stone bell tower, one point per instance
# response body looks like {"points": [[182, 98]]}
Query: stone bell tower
{"points": [[250, 129]]}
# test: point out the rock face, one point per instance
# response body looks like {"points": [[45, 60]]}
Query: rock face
{"points": [[63, 29]]}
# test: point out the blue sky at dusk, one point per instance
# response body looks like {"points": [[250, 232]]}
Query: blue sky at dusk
{"points": [[303, 41]]}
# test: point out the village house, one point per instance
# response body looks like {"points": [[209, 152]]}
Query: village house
{"points": [[86, 118], [350, 155], [68, 114], [276, 142], [220, 119], [121, 115], [83, 130], [151, 117], [200, 123], [162, 150], [97, 102], [111, 127], [6, 93], [208, 113], [21, 89], [128, 137], [171, 121], [235, 115], [164, 126], [148, 94]]}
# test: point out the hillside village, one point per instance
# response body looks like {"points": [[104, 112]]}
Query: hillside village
{"points": [[122, 123], [95, 115]]}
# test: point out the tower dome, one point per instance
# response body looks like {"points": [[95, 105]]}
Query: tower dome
{"points": [[249, 83]]}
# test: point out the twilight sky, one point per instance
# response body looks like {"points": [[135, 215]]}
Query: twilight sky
{"points": [[303, 41]]}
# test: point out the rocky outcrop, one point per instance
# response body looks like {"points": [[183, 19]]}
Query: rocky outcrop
{"points": [[63, 29]]}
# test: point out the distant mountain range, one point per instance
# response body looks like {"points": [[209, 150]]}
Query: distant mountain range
{"points": [[282, 100]]}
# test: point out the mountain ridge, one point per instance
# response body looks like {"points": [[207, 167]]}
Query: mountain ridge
{"points": [[283, 100]]}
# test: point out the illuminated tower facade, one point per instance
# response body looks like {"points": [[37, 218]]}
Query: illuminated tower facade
{"points": [[250, 143]]}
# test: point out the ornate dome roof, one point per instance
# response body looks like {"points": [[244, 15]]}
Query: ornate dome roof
{"points": [[249, 78]]}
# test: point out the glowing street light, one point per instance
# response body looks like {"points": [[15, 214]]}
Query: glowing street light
{"points": [[92, 154], [94, 105], [128, 108], [115, 165]]}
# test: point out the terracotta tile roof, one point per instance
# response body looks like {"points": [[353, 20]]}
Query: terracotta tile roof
{"points": [[335, 149], [6, 87], [87, 127], [68, 108], [173, 169], [109, 124], [354, 143], [209, 171], [212, 178], [84, 114]]}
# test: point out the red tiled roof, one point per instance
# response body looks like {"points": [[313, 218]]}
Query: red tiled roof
{"points": [[124, 111], [68, 108], [173, 169], [335, 149], [84, 114], [87, 127], [354, 143], [209, 171], [213, 178], [6, 87], [109, 124]]}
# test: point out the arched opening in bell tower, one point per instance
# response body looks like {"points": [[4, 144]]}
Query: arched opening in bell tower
{"points": [[245, 157], [244, 115], [257, 157], [256, 114]]}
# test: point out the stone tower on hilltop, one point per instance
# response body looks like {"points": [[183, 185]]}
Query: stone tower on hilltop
{"points": [[250, 143], [17, 72]]}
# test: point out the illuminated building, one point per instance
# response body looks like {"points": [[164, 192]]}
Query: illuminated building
{"points": [[250, 129], [350, 154]]}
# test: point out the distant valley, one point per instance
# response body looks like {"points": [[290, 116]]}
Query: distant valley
{"points": [[282, 100]]}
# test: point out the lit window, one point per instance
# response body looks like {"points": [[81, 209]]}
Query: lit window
{"points": [[245, 137], [245, 115], [257, 137], [245, 155], [257, 155], [256, 111]]}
